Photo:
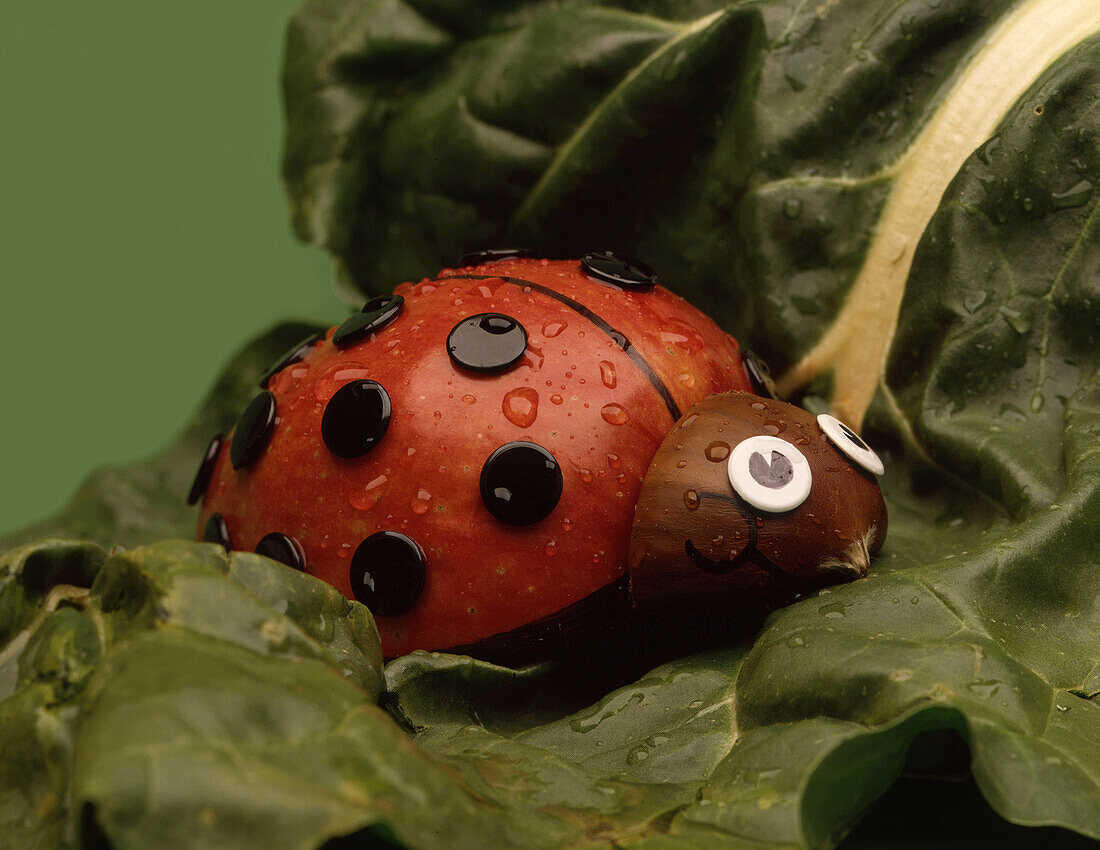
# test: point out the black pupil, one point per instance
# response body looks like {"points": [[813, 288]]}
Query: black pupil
{"points": [[852, 435], [521, 483], [773, 475], [356, 418], [487, 342], [387, 573]]}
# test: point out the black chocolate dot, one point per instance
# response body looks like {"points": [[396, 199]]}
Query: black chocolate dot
{"points": [[375, 315], [487, 342], [216, 531], [356, 418], [759, 374], [206, 469], [492, 255], [387, 573], [293, 355], [623, 271], [254, 430], [521, 483], [280, 547]]}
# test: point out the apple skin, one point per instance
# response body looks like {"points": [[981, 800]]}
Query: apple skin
{"points": [[577, 391]]}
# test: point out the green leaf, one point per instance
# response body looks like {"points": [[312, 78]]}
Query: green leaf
{"points": [[776, 161], [146, 501], [172, 693]]}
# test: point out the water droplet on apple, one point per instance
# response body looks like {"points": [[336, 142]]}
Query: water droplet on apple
{"points": [[521, 406], [614, 414]]}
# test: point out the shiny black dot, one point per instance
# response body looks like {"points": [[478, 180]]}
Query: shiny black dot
{"points": [[387, 573], [281, 547], [487, 342], [254, 430], [356, 418], [492, 255], [760, 375], [521, 483], [624, 272], [216, 531], [206, 469], [293, 355], [375, 315]]}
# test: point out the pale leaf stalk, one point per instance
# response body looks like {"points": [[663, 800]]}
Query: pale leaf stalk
{"points": [[1016, 52]]}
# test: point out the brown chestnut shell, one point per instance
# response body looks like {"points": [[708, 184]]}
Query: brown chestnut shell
{"points": [[696, 545]]}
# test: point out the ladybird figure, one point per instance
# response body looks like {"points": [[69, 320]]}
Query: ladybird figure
{"points": [[466, 457]]}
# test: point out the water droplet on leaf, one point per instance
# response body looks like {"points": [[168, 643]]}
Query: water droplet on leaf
{"points": [[1018, 321], [1075, 196], [972, 301], [833, 610]]}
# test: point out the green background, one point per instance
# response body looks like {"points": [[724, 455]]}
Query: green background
{"points": [[145, 231]]}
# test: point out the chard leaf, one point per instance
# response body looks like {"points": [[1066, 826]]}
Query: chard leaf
{"points": [[167, 695], [776, 160]]}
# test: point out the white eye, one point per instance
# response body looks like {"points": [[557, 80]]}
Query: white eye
{"points": [[769, 474], [849, 442]]}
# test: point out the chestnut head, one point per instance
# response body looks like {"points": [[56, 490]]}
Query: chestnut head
{"points": [[749, 496]]}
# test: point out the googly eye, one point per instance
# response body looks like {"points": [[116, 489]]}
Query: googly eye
{"points": [[850, 443], [769, 473]]}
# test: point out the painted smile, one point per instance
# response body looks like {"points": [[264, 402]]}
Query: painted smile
{"points": [[748, 555]]}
